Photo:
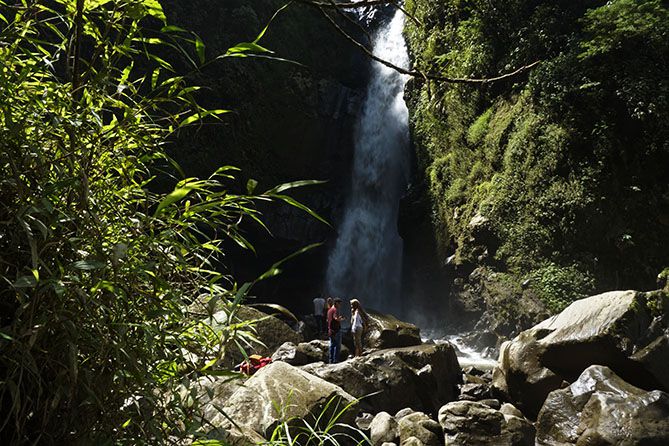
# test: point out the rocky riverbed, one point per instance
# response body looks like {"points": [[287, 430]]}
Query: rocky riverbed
{"points": [[595, 374]]}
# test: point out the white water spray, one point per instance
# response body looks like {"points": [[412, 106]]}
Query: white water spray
{"points": [[366, 261]]}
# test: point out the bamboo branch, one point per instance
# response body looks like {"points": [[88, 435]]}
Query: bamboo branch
{"points": [[78, 26]]}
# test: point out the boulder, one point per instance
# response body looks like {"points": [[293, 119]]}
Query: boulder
{"points": [[422, 377], [386, 331], [602, 409], [475, 392], [493, 403], [276, 393], [472, 423], [404, 412], [270, 331], [363, 422], [421, 427], [306, 352], [383, 429], [624, 330]]}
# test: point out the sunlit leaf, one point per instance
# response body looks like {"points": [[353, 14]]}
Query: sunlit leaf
{"points": [[174, 196], [201, 115], [245, 47], [199, 49], [88, 265], [251, 185]]}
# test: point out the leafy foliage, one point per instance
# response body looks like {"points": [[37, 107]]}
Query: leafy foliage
{"points": [[323, 429], [564, 164], [98, 267]]}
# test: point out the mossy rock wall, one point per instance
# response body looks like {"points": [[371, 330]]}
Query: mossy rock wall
{"points": [[567, 165], [289, 122]]}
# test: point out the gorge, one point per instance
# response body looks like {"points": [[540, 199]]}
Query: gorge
{"points": [[181, 179]]}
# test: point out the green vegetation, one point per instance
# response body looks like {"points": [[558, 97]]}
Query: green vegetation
{"points": [[323, 429], [98, 267], [568, 164]]}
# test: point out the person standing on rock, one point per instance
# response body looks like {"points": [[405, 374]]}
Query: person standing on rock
{"points": [[319, 314], [358, 325], [334, 330]]}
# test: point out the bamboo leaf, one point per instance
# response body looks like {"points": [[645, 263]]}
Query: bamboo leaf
{"points": [[25, 282], [245, 47], [88, 265], [199, 49], [153, 8], [292, 185], [201, 115], [251, 185], [291, 201], [177, 194]]}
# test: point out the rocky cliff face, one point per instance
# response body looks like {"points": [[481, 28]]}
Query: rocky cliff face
{"points": [[556, 179], [290, 122]]}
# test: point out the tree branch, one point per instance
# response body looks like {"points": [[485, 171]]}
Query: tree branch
{"points": [[332, 4], [348, 5], [417, 73]]}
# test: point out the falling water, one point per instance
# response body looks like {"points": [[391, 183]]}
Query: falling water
{"points": [[366, 260]]}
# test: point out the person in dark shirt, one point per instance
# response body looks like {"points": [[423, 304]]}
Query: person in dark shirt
{"points": [[334, 330]]}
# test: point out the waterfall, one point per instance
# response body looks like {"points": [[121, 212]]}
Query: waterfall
{"points": [[366, 260]]}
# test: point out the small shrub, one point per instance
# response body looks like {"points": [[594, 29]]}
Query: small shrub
{"points": [[558, 286]]}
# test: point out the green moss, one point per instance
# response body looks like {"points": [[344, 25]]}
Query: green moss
{"points": [[479, 128], [658, 303], [569, 164]]}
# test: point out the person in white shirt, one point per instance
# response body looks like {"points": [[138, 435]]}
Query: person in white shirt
{"points": [[319, 314], [358, 325]]}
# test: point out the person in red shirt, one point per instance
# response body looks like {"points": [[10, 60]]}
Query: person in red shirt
{"points": [[334, 330]]}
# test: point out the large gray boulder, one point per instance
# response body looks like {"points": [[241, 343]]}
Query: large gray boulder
{"points": [[624, 330], [277, 392], [421, 427], [386, 331], [383, 429], [269, 333], [422, 377], [602, 409], [468, 423], [306, 352]]}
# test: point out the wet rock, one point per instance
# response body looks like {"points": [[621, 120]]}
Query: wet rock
{"points": [[363, 421], [306, 352], [421, 427], [624, 330], [386, 331], [510, 410], [277, 387], [480, 340], [468, 423], [404, 412], [473, 379], [383, 429], [473, 371], [602, 409], [492, 403], [288, 353], [393, 379], [475, 392]]}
